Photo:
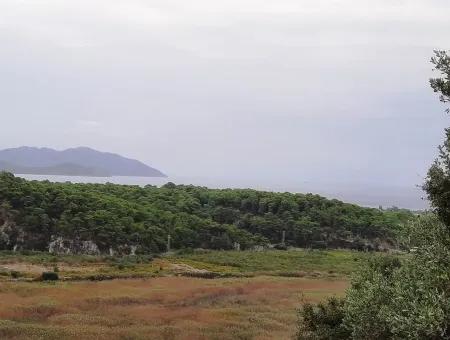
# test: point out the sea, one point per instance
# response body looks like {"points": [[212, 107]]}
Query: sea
{"points": [[364, 194]]}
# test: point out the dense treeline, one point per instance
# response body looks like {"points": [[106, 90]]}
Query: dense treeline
{"points": [[117, 216]]}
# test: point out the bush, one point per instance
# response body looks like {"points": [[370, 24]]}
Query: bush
{"points": [[124, 264], [280, 246], [368, 297], [323, 321], [15, 274], [50, 276], [411, 301], [392, 299]]}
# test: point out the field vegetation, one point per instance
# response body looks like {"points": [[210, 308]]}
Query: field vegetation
{"points": [[276, 262], [295, 263], [254, 295], [159, 308]]}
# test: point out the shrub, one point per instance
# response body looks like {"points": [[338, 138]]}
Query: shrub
{"points": [[368, 297], [50, 276], [323, 321], [410, 301], [15, 274], [125, 265], [392, 299], [280, 246]]}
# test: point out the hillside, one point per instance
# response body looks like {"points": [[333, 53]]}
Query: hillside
{"points": [[80, 161], [104, 218], [63, 169]]}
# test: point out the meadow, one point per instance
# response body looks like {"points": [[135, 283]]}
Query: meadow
{"points": [[252, 295], [298, 262]]}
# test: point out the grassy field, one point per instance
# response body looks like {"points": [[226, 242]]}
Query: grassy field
{"points": [[254, 295], [160, 308], [277, 262]]}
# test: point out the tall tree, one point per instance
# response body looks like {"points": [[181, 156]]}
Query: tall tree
{"points": [[407, 297], [437, 184]]}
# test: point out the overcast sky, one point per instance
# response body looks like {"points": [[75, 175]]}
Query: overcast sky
{"points": [[310, 90]]}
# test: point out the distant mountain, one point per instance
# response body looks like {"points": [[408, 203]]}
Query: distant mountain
{"points": [[81, 161], [65, 169]]}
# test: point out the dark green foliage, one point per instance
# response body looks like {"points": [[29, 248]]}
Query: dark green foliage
{"points": [[280, 246], [15, 274], [121, 217], [323, 321], [50, 276], [441, 61]]}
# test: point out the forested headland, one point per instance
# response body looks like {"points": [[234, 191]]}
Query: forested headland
{"points": [[102, 218]]}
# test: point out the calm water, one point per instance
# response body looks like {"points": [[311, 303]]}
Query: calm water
{"points": [[360, 193]]}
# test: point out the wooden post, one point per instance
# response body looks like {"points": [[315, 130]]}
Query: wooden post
{"points": [[283, 237]]}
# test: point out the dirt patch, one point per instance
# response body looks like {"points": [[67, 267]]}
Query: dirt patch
{"points": [[185, 268], [32, 269], [24, 268]]}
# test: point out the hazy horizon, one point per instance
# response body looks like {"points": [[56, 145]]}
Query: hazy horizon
{"points": [[277, 93]]}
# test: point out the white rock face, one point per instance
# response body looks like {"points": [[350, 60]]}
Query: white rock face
{"points": [[133, 250], [59, 245], [89, 248], [11, 234]]}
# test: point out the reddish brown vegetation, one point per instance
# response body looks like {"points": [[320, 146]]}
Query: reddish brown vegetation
{"points": [[160, 308]]}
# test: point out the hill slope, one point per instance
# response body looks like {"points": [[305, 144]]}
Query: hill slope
{"points": [[81, 161], [119, 217]]}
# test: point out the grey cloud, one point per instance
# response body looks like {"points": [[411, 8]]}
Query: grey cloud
{"points": [[291, 90]]}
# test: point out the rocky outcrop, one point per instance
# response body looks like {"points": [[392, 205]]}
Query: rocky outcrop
{"points": [[16, 238], [11, 235], [60, 245], [4, 235]]}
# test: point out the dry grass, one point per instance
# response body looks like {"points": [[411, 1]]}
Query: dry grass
{"points": [[255, 298], [159, 308]]}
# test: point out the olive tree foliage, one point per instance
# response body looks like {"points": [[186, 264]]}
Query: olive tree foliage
{"points": [[437, 184], [405, 297], [392, 297], [323, 321], [441, 85], [411, 299], [408, 299]]}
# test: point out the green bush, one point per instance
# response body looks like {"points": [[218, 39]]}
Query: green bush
{"points": [[392, 299], [323, 321], [411, 301]]}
